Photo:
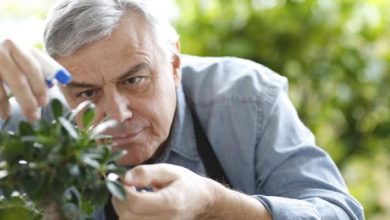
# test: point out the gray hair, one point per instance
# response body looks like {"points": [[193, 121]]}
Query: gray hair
{"points": [[73, 24]]}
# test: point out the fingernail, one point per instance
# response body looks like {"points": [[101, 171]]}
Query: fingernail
{"points": [[42, 100]]}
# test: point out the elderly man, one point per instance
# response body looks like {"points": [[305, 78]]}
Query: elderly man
{"points": [[197, 120]]}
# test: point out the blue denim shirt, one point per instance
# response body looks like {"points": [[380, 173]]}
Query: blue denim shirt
{"points": [[262, 145], [264, 148]]}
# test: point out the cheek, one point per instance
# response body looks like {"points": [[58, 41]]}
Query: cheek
{"points": [[167, 106], [160, 109]]}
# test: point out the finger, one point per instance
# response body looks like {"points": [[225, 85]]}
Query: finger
{"points": [[18, 83], [119, 207], [152, 203], [20, 88], [33, 71], [5, 108], [160, 176], [156, 175], [137, 206], [129, 206]]}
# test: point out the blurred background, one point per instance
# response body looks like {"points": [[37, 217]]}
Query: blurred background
{"points": [[335, 53]]}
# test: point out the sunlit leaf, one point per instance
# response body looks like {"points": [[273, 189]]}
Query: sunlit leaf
{"points": [[69, 127], [104, 137], [101, 127], [3, 173], [78, 109], [118, 154], [91, 162], [116, 190]]}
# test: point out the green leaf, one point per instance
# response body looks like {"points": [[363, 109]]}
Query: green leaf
{"points": [[87, 206], [57, 108], [91, 162], [69, 127], [3, 174], [78, 109], [25, 129], [102, 136], [73, 169], [71, 211], [116, 189], [101, 127], [44, 127], [16, 208], [89, 115], [72, 195], [3, 165], [30, 138], [119, 170], [105, 155], [13, 151], [118, 154], [98, 198], [95, 154]]}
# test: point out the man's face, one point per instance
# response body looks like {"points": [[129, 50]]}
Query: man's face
{"points": [[130, 80]]}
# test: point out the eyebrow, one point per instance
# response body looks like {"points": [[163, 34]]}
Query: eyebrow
{"points": [[128, 73], [73, 84], [133, 70]]}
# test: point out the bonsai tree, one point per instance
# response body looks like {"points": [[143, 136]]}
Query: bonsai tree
{"points": [[56, 170]]}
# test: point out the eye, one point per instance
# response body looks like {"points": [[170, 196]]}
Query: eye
{"points": [[134, 80], [88, 94], [135, 83]]}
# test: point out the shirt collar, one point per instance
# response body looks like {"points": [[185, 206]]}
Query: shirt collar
{"points": [[182, 139]]}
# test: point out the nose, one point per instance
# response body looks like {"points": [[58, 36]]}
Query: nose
{"points": [[117, 106]]}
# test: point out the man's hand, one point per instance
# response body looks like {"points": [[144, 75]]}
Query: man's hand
{"points": [[178, 193], [22, 73]]}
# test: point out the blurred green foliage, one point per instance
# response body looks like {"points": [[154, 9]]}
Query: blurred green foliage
{"points": [[336, 55], [56, 170]]}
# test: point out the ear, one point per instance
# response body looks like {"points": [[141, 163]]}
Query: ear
{"points": [[176, 64]]}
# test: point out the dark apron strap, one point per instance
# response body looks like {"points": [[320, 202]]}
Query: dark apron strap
{"points": [[210, 161], [109, 211]]}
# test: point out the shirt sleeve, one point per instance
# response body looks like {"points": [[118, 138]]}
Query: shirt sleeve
{"points": [[297, 179]]}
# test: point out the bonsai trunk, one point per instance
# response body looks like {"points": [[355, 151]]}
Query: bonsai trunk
{"points": [[51, 210]]}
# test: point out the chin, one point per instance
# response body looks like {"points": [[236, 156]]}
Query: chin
{"points": [[137, 152]]}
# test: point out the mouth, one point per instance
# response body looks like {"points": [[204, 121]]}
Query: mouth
{"points": [[119, 140]]}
